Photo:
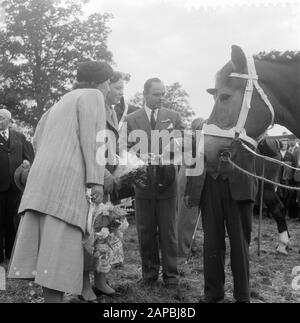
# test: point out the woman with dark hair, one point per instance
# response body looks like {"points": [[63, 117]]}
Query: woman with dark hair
{"points": [[54, 207], [116, 99]]}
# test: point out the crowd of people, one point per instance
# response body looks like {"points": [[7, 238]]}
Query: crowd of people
{"points": [[53, 207]]}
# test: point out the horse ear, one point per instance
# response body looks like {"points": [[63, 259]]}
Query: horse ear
{"points": [[238, 59], [211, 91]]}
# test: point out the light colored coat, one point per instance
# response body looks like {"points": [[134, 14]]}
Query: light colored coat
{"points": [[65, 162]]}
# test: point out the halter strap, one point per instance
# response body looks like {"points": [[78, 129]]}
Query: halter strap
{"points": [[239, 132], [252, 78]]}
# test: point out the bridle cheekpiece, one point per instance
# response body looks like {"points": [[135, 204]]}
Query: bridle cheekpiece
{"points": [[239, 132]]}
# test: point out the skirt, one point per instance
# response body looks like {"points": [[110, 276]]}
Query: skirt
{"points": [[48, 251]]}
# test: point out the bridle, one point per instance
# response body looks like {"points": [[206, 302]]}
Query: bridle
{"points": [[239, 132]]}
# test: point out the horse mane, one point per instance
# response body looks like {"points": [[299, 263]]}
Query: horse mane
{"points": [[273, 56], [278, 56]]}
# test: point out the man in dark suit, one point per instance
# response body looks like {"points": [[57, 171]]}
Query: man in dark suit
{"points": [[155, 199], [226, 200], [14, 150]]}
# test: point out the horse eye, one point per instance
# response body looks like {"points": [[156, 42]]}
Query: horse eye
{"points": [[224, 97]]}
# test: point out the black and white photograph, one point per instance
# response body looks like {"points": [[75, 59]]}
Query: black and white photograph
{"points": [[149, 154]]}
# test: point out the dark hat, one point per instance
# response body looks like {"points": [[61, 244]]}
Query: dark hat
{"points": [[93, 71], [20, 176]]}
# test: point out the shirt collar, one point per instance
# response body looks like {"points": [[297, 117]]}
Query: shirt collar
{"points": [[6, 132], [149, 111]]}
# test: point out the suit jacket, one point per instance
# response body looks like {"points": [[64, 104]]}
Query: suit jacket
{"points": [[120, 110], [12, 154], [161, 181], [242, 187], [66, 157]]}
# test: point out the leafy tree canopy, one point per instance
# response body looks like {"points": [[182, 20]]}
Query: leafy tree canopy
{"points": [[176, 98], [41, 44]]}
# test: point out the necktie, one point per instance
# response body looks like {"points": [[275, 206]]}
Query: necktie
{"points": [[152, 119], [4, 135]]}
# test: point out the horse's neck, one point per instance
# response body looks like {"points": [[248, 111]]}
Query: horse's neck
{"points": [[282, 82]]}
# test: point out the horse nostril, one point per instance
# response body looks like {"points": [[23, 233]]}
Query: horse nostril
{"points": [[225, 154]]}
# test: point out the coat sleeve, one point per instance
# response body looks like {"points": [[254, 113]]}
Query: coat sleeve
{"points": [[92, 120], [28, 152], [39, 131]]}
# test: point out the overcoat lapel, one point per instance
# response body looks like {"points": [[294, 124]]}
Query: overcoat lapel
{"points": [[4, 145], [110, 121], [12, 140]]}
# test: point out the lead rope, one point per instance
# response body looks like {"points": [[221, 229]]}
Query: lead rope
{"points": [[227, 159], [263, 180], [276, 161]]}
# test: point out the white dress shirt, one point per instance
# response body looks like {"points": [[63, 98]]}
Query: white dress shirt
{"points": [[149, 111], [5, 134], [283, 153]]}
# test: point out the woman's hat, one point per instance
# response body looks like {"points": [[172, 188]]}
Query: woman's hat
{"points": [[93, 71], [20, 176]]}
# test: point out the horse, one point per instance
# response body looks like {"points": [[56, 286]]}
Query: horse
{"points": [[250, 95], [271, 199]]}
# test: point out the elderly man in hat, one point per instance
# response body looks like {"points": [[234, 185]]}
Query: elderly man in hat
{"points": [[14, 150]]}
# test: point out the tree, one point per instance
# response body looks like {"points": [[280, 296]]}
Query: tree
{"points": [[41, 44], [176, 98]]}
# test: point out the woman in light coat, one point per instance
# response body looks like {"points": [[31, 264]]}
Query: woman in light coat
{"points": [[54, 207]]}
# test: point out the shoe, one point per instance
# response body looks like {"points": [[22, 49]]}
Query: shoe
{"points": [[147, 281], [211, 300], [82, 300], [171, 283], [98, 292]]}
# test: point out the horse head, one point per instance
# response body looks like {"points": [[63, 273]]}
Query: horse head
{"points": [[229, 120]]}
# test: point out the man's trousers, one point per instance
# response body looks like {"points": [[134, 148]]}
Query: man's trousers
{"points": [[156, 228], [220, 211], [9, 204]]}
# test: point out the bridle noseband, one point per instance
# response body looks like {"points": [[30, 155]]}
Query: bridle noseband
{"points": [[239, 131]]}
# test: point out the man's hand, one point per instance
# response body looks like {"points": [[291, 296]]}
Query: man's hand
{"points": [[97, 193], [26, 163], [187, 201]]}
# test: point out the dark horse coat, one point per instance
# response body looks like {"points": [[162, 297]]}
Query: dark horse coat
{"points": [[272, 172]]}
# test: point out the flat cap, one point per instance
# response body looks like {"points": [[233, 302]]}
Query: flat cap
{"points": [[93, 71]]}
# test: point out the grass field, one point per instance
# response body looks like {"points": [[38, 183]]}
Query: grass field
{"points": [[271, 274]]}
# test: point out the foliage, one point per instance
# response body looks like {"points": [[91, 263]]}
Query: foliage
{"points": [[176, 99], [41, 43]]}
